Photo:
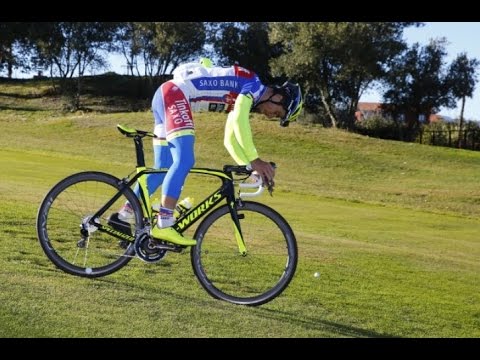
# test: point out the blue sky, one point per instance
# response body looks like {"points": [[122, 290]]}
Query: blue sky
{"points": [[462, 37]]}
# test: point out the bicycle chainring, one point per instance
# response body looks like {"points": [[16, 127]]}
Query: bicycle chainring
{"points": [[146, 251]]}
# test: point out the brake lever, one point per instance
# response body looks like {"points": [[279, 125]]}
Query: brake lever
{"points": [[270, 186], [270, 190]]}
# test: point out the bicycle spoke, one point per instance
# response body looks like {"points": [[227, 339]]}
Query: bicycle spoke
{"points": [[65, 217], [250, 279]]}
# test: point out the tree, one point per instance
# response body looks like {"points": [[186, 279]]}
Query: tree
{"points": [[164, 45], [462, 77], [245, 43], [418, 83], [13, 35], [69, 48], [127, 45], [336, 62]]}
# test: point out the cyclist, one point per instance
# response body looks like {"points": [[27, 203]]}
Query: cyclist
{"points": [[202, 86]]}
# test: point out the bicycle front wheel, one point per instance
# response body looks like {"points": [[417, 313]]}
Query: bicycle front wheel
{"points": [[253, 278], [67, 209]]}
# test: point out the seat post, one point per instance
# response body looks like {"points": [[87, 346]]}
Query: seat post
{"points": [[139, 151]]}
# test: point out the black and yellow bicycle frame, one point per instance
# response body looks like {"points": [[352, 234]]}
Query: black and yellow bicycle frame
{"points": [[225, 191]]}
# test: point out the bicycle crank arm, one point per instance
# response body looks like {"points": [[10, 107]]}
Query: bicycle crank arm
{"points": [[165, 246]]}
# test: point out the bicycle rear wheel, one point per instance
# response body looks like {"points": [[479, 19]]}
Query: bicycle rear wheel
{"points": [[259, 276], [67, 208]]}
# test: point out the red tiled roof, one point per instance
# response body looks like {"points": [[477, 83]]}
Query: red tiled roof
{"points": [[369, 106]]}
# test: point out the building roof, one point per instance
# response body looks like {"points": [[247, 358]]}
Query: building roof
{"points": [[369, 106]]}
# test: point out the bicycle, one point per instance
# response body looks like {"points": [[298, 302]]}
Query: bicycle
{"points": [[246, 252]]}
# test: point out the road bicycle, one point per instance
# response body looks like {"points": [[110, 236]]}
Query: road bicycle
{"points": [[246, 252]]}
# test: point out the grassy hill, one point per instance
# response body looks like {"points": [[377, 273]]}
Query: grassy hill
{"points": [[109, 92], [391, 227]]}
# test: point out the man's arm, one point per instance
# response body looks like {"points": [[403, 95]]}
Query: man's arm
{"points": [[232, 145], [239, 141], [239, 120]]}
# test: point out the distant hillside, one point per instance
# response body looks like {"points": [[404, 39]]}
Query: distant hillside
{"points": [[108, 92]]}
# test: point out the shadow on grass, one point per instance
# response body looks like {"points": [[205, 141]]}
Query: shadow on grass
{"points": [[19, 108], [22, 96], [315, 323], [149, 291], [87, 109], [293, 318]]}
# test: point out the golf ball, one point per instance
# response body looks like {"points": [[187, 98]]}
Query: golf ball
{"points": [[317, 274]]}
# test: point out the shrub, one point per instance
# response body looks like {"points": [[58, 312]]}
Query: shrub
{"points": [[380, 127]]}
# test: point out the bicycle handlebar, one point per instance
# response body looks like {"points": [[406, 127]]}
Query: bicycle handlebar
{"points": [[257, 184], [242, 169]]}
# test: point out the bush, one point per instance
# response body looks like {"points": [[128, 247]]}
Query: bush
{"points": [[314, 118], [380, 127]]}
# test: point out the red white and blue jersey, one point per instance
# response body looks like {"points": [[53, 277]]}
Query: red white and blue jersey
{"points": [[216, 88]]}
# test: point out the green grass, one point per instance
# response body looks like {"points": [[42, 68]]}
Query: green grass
{"points": [[391, 227]]}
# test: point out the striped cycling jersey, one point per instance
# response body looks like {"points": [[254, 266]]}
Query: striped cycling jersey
{"points": [[216, 88]]}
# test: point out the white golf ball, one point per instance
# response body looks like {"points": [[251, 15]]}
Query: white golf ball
{"points": [[88, 270], [317, 274]]}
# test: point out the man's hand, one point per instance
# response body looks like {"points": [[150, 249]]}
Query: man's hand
{"points": [[265, 170]]}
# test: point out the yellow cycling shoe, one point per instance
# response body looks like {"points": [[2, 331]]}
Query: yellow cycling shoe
{"points": [[171, 235]]}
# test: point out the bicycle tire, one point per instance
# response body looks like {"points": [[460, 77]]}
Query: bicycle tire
{"points": [[268, 266], [61, 214]]}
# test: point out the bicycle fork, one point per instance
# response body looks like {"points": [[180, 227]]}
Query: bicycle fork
{"points": [[237, 230]]}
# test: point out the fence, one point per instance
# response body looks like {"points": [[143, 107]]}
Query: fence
{"points": [[465, 139]]}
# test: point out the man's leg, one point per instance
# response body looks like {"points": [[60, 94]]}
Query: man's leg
{"points": [[180, 135]]}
